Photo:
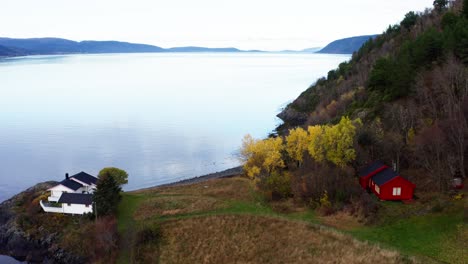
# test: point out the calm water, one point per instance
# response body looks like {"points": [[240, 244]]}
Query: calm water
{"points": [[8, 260], [161, 117]]}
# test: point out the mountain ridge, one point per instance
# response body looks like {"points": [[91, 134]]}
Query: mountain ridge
{"points": [[52, 46], [346, 45]]}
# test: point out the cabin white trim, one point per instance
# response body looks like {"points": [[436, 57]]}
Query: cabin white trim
{"points": [[396, 191]]}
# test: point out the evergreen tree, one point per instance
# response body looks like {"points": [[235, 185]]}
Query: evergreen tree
{"points": [[440, 5], [107, 196], [465, 8], [409, 20]]}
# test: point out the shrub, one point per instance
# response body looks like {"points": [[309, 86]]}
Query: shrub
{"points": [[365, 207], [325, 205], [148, 235], [146, 244], [279, 184]]}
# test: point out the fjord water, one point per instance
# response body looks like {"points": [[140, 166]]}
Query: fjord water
{"points": [[8, 260], [161, 117]]}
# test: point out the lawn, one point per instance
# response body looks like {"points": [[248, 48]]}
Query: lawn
{"points": [[441, 236], [225, 220], [126, 224]]}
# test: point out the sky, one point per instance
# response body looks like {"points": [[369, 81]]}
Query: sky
{"points": [[245, 24]]}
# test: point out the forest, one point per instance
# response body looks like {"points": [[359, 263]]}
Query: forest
{"points": [[401, 99]]}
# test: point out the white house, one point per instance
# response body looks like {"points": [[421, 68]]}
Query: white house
{"points": [[72, 195]]}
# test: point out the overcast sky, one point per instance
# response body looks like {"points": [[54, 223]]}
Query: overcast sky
{"points": [[245, 24]]}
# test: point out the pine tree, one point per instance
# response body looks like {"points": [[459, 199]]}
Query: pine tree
{"points": [[465, 8], [107, 196]]}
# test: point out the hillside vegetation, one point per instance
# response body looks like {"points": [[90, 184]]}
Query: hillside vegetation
{"points": [[409, 88], [401, 99]]}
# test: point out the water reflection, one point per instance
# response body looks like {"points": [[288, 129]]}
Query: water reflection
{"points": [[161, 117]]}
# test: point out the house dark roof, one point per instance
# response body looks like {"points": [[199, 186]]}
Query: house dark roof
{"points": [[370, 168], [76, 198], [85, 177], [71, 184], [384, 176]]}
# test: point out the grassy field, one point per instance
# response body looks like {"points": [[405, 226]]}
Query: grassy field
{"points": [[225, 220]]}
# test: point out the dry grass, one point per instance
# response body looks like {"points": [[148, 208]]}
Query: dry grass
{"points": [[196, 198], [174, 205], [256, 239], [225, 221], [340, 220], [235, 188]]}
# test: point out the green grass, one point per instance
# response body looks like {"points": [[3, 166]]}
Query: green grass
{"points": [[125, 222], [430, 235], [414, 229]]}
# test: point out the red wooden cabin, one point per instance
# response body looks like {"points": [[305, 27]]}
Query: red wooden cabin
{"points": [[389, 185], [367, 172]]}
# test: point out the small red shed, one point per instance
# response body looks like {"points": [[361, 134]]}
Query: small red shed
{"points": [[389, 185], [366, 173]]}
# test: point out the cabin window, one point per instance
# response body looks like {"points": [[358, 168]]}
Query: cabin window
{"points": [[377, 189], [397, 191]]}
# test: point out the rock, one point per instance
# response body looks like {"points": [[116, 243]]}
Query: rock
{"points": [[18, 244], [292, 117]]}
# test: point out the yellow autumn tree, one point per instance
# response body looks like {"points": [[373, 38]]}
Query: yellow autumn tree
{"points": [[261, 156], [273, 159], [338, 142], [250, 157], [296, 144], [315, 143]]}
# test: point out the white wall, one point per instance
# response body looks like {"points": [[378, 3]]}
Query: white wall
{"points": [[77, 208], [57, 191]]}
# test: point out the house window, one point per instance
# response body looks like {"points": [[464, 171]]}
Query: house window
{"points": [[377, 189], [69, 204], [397, 191], [87, 205]]}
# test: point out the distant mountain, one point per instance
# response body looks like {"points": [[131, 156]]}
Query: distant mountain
{"points": [[46, 46], [115, 47], [7, 51], [36, 46], [311, 50], [202, 49], [346, 45]]}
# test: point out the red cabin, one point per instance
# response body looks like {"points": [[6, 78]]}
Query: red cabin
{"points": [[366, 173], [389, 185]]}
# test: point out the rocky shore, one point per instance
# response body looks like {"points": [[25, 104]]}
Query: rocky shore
{"points": [[221, 174], [19, 244]]}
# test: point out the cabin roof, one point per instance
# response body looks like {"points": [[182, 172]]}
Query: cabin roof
{"points": [[384, 176], [370, 168], [85, 177], [71, 184], [76, 198]]}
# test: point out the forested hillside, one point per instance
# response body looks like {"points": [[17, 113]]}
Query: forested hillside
{"points": [[409, 88]]}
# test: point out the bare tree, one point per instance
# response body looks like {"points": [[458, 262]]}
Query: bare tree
{"points": [[429, 150]]}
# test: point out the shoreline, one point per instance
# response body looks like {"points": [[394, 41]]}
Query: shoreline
{"points": [[197, 179]]}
